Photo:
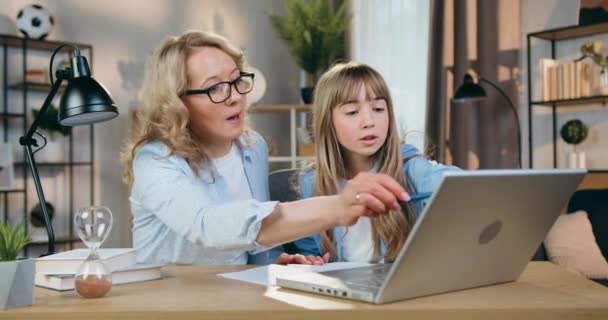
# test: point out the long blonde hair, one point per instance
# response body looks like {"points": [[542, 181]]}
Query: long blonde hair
{"points": [[336, 86], [162, 115]]}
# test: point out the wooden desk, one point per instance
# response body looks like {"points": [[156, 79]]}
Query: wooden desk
{"points": [[594, 180], [543, 292]]}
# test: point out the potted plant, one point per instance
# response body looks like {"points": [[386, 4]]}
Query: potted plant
{"points": [[314, 33], [573, 133], [54, 149], [17, 280], [593, 50]]}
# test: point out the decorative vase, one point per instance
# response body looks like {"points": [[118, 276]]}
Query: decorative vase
{"points": [[37, 227], [577, 160], [307, 94], [582, 160], [17, 283]]}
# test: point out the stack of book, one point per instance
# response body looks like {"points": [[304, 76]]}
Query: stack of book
{"points": [[58, 271], [562, 80]]}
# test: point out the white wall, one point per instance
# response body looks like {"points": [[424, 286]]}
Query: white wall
{"points": [[393, 37], [123, 33], [537, 15]]}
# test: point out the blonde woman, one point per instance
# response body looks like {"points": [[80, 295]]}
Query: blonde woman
{"points": [[199, 179], [355, 131]]}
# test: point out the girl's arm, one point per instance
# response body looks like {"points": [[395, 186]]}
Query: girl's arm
{"points": [[307, 246], [421, 173]]}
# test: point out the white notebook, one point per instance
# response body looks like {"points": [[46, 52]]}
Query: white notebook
{"points": [[67, 262], [134, 273]]}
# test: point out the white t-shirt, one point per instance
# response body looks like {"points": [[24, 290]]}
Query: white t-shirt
{"points": [[231, 168], [358, 244]]}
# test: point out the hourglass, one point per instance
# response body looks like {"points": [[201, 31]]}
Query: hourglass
{"points": [[93, 279]]}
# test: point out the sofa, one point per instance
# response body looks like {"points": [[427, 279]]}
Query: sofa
{"points": [[595, 203]]}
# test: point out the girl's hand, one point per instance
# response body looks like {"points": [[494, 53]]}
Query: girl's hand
{"points": [[286, 259], [368, 194]]}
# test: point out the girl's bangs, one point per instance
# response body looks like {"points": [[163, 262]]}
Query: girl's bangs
{"points": [[350, 82]]}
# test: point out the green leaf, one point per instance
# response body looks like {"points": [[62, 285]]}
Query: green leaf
{"points": [[12, 241], [574, 132], [313, 33], [50, 121]]}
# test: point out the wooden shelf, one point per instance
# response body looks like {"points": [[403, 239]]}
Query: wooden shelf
{"points": [[55, 164], [11, 190], [11, 115], [288, 159], [571, 32], [34, 86], [48, 45], [573, 102], [279, 108], [293, 112]]}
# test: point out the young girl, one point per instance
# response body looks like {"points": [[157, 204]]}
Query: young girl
{"points": [[355, 130]]}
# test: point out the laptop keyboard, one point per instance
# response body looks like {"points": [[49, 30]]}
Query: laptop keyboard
{"points": [[371, 277], [375, 282]]}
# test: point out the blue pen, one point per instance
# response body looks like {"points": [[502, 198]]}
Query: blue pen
{"points": [[420, 196], [416, 197]]}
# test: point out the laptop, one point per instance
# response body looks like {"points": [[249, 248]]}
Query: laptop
{"points": [[479, 228]]}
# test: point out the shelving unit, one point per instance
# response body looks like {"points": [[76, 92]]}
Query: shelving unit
{"points": [[294, 110], [572, 102], [15, 120], [554, 36]]}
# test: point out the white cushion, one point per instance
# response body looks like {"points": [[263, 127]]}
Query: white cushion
{"points": [[571, 244]]}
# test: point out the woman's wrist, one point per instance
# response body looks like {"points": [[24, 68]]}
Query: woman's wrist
{"points": [[335, 210], [294, 220]]}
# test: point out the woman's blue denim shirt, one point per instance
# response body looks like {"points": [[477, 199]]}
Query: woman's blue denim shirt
{"points": [[183, 218], [421, 174]]}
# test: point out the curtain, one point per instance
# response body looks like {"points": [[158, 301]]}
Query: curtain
{"points": [[480, 35], [393, 37]]}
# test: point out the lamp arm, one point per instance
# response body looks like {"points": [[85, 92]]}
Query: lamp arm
{"points": [[28, 141], [514, 114], [45, 105]]}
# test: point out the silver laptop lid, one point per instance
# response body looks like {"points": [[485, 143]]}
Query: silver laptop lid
{"points": [[480, 227]]}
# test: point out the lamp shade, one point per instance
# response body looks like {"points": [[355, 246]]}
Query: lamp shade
{"points": [[469, 90], [85, 101]]}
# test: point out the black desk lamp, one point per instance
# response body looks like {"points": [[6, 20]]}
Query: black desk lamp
{"points": [[84, 101], [471, 91]]}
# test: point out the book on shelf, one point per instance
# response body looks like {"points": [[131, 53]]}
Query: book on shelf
{"points": [[561, 80], [67, 262], [130, 274], [545, 73]]}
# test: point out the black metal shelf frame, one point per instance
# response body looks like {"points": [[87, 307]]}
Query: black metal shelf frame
{"points": [[554, 36], [25, 45]]}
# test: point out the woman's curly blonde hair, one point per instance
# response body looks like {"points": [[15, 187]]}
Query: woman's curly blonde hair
{"points": [[162, 115]]}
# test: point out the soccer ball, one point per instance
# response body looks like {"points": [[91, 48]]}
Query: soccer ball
{"points": [[35, 22]]}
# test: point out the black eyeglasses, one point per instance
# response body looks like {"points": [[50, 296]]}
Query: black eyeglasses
{"points": [[221, 91]]}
